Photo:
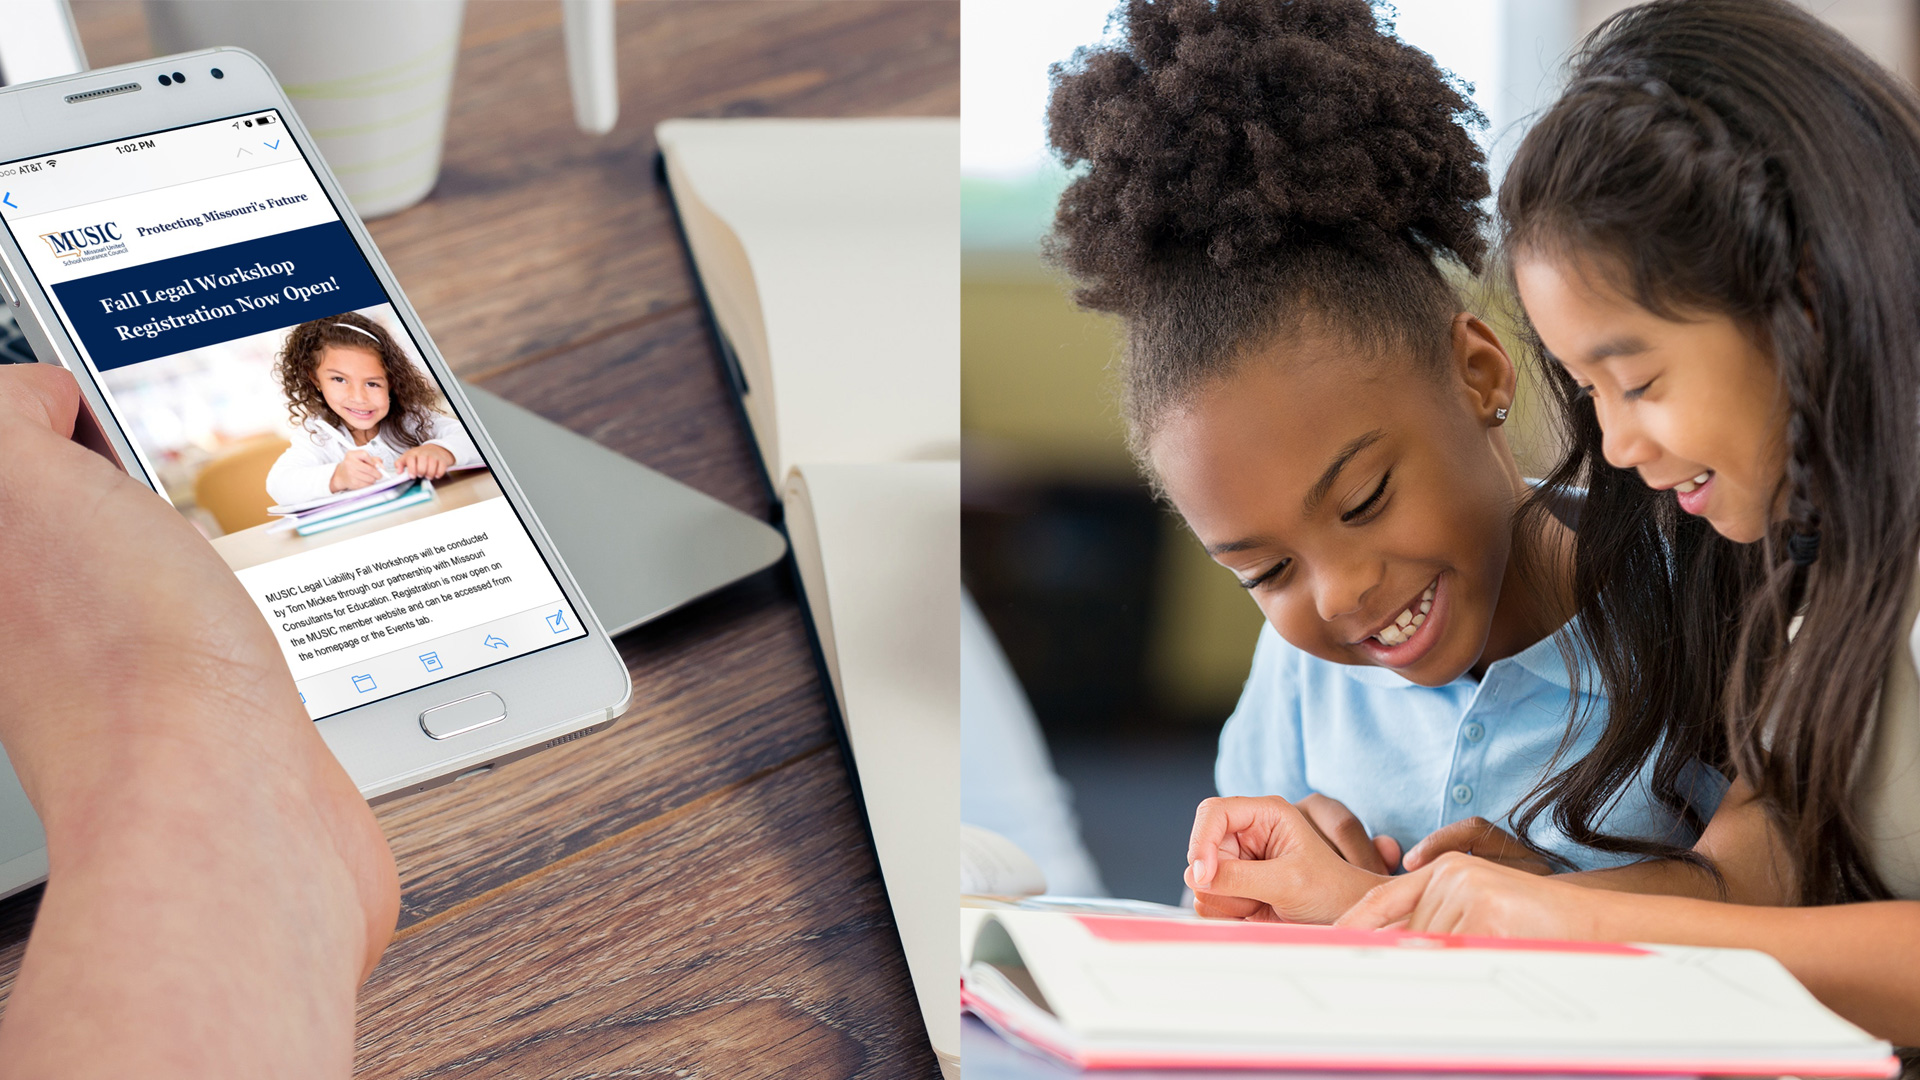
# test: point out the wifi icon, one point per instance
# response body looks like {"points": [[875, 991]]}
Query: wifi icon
{"points": [[51, 163]]}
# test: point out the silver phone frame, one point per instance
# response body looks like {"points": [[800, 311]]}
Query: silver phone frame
{"points": [[555, 695]]}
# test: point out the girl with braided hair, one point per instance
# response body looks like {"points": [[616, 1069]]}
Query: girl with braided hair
{"points": [[1268, 196], [1716, 235], [365, 411]]}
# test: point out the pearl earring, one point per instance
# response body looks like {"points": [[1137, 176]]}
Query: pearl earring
{"points": [[1500, 415]]}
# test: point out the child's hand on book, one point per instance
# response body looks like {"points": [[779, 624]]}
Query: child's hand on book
{"points": [[1462, 894], [356, 470], [1264, 859], [1477, 836], [428, 461], [1344, 833]]}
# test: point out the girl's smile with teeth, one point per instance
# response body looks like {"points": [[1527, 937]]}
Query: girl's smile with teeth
{"points": [[1685, 487], [1409, 621]]}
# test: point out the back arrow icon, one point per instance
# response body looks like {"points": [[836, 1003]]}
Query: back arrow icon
{"points": [[8, 199], [494, 642]]}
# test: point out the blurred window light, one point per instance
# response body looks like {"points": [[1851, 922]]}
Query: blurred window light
{"points": [[1010, 178], [1010, 44]]}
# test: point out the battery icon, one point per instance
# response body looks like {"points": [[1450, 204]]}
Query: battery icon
{"points": [[264, 121]]}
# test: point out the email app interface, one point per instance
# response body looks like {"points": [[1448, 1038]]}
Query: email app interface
{"points": [[272, 394]]}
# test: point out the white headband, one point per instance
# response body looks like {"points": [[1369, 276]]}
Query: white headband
{"points": [[357, 330]]}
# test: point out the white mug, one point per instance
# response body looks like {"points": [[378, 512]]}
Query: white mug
{"points": [[371, 81]]}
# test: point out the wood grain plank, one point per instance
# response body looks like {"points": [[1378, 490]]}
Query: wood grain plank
{"points": [[538, 236], [722, 690], [724, 942]]}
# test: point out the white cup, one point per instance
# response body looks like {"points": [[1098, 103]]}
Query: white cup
{"points": [[371, 81]]}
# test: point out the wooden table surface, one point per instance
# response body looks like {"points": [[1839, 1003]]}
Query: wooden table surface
{"points": [[690, 894]]}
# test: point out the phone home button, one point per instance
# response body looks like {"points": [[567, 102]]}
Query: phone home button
{"points": [[460, 717]]}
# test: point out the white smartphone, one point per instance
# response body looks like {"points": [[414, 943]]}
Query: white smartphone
{"points": [[172, 238]]}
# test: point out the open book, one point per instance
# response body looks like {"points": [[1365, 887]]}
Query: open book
{"points": [[396, 492], [1116, 992], [827, 254], [385, 487]]}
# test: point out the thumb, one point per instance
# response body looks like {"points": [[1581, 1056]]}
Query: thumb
{"points": [[1389, 850], [41, 394], [1269, 881], [1387, 904]]}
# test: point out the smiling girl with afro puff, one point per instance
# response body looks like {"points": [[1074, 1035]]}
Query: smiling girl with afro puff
{"points": [[1270, 194]]}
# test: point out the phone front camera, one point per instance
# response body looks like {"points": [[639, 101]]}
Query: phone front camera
{"points": [[177, 77], [164, 81], [217, 73]]}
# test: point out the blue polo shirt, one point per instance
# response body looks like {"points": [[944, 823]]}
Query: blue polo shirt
{"points": [[1407, 759]]}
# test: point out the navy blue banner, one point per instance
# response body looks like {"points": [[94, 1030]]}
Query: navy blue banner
{"points": [[170, 306]]}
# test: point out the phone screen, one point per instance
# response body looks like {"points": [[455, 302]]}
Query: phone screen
{"points": [[272, 394]]}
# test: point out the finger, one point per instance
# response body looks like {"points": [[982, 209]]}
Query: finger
{"points": [[1472, 836], [1388, 903], [1271, 882], [1219, 906], [1342, 831], [1210, 827], [1213, 906], [40, 394], [1216, 819], [1389, 850]]}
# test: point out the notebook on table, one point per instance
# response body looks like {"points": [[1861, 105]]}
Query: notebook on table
{"points": [[1107, 992], [827, 252], [347, 507]]}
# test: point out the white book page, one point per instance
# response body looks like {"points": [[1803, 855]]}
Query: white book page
{"points": [[879, 547], [852, 231], [992, 865], [1641, 1003]]}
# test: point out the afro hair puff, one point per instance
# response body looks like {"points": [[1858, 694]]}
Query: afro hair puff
{"points": [[1245, 129]]}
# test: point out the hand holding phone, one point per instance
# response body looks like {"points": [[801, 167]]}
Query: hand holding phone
{"points": [[172, 239], [140, 701]]}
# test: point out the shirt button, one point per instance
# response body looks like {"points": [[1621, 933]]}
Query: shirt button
{"points": [[1474, 732], [1462, 793]]}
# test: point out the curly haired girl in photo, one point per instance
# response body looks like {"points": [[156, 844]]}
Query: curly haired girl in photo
{"points": [[366, 411], [1270, 196]]}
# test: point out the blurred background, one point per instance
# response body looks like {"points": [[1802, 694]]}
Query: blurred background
{"points": [[1131, 644]]}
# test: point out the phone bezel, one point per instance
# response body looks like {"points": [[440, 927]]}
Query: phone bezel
{"points": [[553, 695]]}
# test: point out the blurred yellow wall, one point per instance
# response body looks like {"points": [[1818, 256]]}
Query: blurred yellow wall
{"points": [[1035, 395], [1039, 402]]}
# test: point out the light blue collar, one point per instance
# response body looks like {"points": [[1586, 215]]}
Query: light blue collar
{"points": [[1542, 660]]}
